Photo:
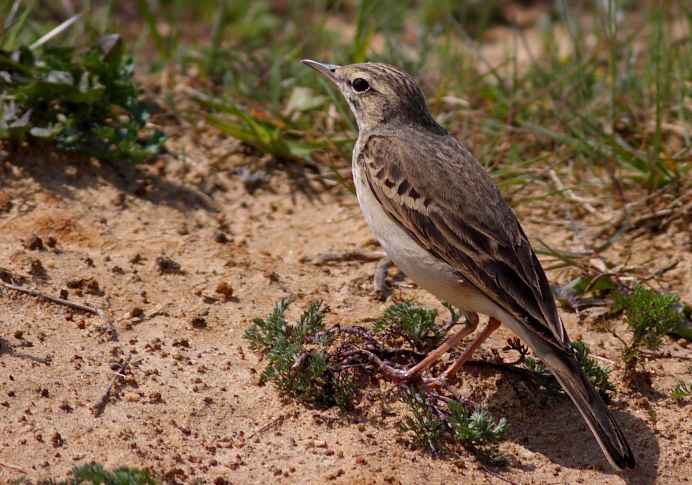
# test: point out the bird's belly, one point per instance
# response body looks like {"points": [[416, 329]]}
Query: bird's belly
{"points": [[415, 261]]}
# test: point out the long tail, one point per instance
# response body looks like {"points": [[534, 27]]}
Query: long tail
{"points": [[592, 408]]}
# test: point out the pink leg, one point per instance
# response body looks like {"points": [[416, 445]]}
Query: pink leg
{"points": [[468, 351], [415, 371]]}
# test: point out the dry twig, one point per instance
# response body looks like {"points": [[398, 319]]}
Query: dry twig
{"points": [[324, 258], [61, 301], [12, 467], [100, 405]]}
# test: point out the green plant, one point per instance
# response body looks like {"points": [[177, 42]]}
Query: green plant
{"points": [[478, 432], [682, 391], [436, 429], [649, 317], [97, 475], [426, 429], [416, 325], [596, 374], [295, 365], [86, 102]]}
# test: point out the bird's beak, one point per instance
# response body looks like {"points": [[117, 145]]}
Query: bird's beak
{"points": [[327, 70]]}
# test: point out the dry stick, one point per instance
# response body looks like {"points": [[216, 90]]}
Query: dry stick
{"points": [[100, 405], [279, 418], [380, 278], [77, 306], [13, 467], [662, 271], [570, 194], [497, 475], [323, 258]]}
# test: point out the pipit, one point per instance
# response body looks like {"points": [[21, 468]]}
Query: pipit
{"points": [[443, 222]]}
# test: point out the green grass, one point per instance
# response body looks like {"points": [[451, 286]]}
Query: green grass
{"points": [[404, 321], [605, 110], [96, 474]]}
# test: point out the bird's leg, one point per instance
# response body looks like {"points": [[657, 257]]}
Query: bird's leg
{"points": [[415, 371], [492, 325]]}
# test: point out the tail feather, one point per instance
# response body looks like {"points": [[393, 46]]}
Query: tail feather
{"points": [[590, 405]]}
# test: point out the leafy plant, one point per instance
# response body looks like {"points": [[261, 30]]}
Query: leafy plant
{"points": [[478, 432], [260, 130], [86, 102], [416, 325], [434, 429], [96, 474], [649, 316], [302, 372], [596, 374], [681, 391], [426, 429]]}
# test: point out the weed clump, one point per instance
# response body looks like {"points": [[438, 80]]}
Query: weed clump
{"points": [[649, 316], [597, 375], [77, 102], [298, 362], [434, 428], [412, 324], [96, 474], [682, 391]]}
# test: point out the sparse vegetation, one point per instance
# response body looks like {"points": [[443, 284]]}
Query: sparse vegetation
{"points": [[649, 316], [96, 474], [478, 432], [425, 427], [298, 362], [682, 390], [415, 325], [435, 429], [597, 375], [304, 364], [580, 109]]}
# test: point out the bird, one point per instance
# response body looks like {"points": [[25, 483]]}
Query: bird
{"points": [[443, 222]]}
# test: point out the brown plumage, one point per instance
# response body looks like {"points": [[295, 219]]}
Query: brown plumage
{"points": [[443, 222]]}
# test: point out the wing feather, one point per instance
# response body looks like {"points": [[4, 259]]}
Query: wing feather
{"points": [[441, 195]]}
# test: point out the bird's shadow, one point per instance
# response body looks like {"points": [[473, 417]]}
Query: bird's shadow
{"points": [[554, 428]]}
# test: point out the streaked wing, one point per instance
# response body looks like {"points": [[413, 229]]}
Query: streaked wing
{"points": [[436, 189]]}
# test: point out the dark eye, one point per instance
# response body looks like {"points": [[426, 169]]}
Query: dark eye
{"points": [[360, 85]]}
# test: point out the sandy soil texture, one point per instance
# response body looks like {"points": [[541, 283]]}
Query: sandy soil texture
{"points": [[190, 406]]}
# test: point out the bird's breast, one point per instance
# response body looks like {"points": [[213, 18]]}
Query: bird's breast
{"points": [[409, 256]]}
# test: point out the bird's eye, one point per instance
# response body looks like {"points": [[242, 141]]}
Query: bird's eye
{"points": [[360, 85]]}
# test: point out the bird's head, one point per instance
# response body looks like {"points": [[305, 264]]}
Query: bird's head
{"points": [[378, 94]]}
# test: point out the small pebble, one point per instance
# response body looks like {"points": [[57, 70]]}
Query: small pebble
{"points": [[33, 243]]}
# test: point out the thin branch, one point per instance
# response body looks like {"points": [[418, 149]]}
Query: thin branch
{"points": [[61, 301], [100, 405], [12, 467], [324, 258], [277, 419]]}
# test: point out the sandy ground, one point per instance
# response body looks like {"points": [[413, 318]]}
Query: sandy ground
{"points": [[191, 407]]}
